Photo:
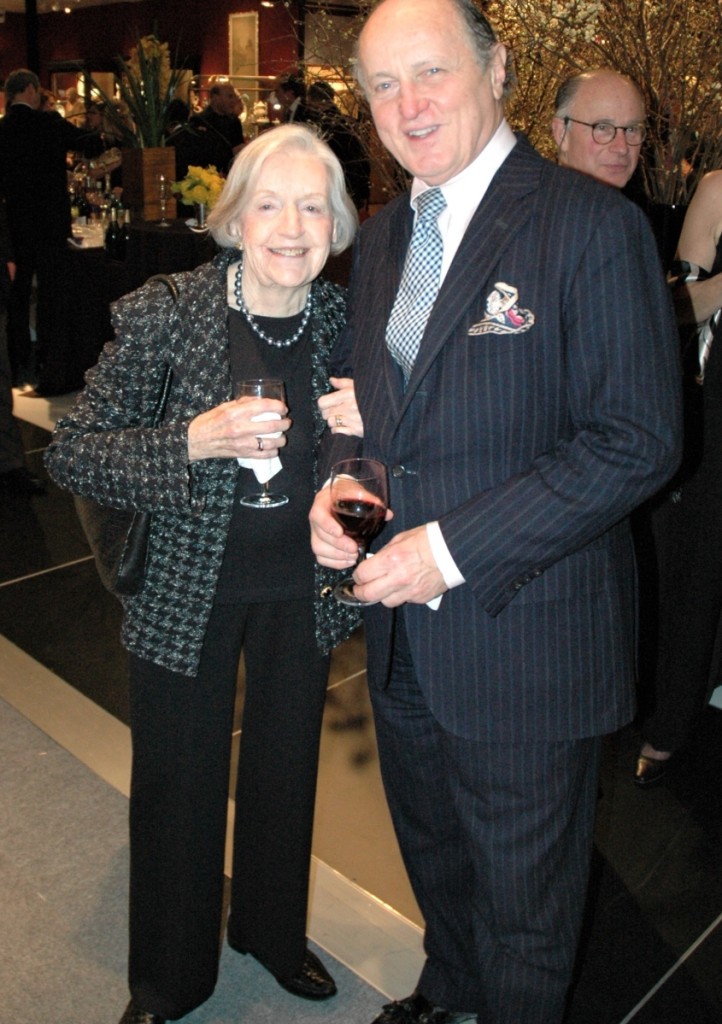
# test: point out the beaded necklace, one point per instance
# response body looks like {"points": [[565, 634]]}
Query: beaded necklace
{"points": [[238, 292]]}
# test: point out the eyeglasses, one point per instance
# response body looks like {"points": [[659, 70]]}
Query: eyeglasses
{"points": [[603, 132]]}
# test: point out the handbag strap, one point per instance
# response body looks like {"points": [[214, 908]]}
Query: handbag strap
{"points": [[162, 400]]}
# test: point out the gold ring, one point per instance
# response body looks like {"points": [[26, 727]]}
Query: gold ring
{"points": [[339, 421], [260, 444]]}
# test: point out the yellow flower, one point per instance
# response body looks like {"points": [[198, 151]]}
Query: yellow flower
{"points": [[200, 185], [147, 83]]}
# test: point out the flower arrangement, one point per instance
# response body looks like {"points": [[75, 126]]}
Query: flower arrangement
{"points": [[146, 84], [200, 185]]}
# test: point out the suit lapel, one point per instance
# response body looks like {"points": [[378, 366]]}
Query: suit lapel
{"points": [[505, 208], [382, 269]]}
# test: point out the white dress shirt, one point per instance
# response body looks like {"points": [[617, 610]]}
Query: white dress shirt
{"points": [[463, 195]]}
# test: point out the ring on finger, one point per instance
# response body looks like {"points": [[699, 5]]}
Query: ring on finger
{"points": [[260, 443], [339, 421]]}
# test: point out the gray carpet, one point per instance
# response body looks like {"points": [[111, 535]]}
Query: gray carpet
{"points": [[63, 885]]}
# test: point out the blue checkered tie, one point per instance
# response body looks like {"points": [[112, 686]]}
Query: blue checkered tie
{"points": [[419, 282]]}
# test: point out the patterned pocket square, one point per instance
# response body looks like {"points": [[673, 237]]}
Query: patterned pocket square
{"points": [[503, 313]]}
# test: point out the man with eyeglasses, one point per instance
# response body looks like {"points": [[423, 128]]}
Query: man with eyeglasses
{"points": [[598, 125]]}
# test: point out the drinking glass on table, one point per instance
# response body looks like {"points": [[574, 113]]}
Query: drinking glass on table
{"points": [[359, 499], [163, 196], [263, 388]]}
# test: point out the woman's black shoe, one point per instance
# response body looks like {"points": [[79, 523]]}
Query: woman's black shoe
{"points": [[650, 770], [134, 1015], [312, 981]]}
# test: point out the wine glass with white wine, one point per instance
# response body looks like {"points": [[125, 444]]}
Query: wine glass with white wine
{"points": [[264, 387]]}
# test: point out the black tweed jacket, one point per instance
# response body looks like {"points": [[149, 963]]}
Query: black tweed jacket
{"points": [[103, 450]]}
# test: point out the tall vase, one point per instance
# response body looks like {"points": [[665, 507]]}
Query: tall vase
{"points": [[141, 169], [200, 210]]}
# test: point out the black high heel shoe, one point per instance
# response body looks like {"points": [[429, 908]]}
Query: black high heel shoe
{"points": [[650, 770], [311, 981], [134, 1015]]}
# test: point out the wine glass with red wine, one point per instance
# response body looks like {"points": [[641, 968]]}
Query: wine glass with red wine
{"points": [[359, 499]]}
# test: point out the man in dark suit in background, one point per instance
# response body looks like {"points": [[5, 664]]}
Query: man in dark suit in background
{"points": [[15, 478], [541, 407], [215, 135], [291, 94], [33, 179], [344, 137]]}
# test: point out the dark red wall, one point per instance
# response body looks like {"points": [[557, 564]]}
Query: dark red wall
{"points": [[195, 29]]}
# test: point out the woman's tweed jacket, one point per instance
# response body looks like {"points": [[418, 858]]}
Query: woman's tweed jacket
{"points": [[102, 450]]}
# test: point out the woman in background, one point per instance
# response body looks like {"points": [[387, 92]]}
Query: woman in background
{"points": [[690, 545]]}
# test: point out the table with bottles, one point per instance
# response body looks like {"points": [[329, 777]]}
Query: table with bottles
{"points": [[109, 255]]}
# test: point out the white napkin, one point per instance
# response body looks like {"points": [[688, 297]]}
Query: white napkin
{"points": [[264, 469]]}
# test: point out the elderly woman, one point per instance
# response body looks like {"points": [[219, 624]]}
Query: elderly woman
{"points": [[222, 576]]}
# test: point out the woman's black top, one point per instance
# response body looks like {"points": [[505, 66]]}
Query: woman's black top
{"points": [[268, 555]]}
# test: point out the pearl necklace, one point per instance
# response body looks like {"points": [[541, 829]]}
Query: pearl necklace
{"points": [[237, 290]]}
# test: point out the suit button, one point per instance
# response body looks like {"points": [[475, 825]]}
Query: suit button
{"points": [[398, 472]]}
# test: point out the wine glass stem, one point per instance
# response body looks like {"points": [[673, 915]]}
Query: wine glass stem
{"points": [[361, 554]]}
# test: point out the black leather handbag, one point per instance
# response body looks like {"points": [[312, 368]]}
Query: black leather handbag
{"points": [[118, 538]]}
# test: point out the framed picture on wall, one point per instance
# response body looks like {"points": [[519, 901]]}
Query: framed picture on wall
{"points": [[243, 44]]}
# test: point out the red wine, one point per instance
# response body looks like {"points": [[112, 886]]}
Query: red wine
{"points": [[361, 520]]}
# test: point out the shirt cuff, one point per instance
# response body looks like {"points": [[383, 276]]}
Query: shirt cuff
{"points": [[442, 556]]}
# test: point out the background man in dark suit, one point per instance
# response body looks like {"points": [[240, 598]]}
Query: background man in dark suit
{"points": [[14, 475], [343, 136], [33, 179], [216, 133], [541, 408], [291, 94]]}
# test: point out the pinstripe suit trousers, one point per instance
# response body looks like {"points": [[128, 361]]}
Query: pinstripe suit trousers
{"points": [[497, 839]]}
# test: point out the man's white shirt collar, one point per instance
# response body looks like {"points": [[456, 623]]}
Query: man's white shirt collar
{"points": [[464, 192]]}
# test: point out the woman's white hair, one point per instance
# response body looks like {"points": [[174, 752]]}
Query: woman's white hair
{"points": [[224, 218]]}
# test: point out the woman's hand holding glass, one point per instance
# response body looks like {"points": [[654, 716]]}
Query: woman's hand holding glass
{"points": [[263, 388], [230, 431]]}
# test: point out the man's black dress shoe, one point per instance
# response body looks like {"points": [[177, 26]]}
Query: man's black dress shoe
{"points": [[650, 770], [416, 1009], [21, 481], [133, 1015], [312, 981]]}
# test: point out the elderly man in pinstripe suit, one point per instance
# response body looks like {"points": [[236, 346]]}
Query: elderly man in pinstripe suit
{"points": [[541, 407]]}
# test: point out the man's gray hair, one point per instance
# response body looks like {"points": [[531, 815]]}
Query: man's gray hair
{"points": [[243, 176], [18, 81]]}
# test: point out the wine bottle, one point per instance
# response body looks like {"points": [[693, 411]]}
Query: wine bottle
{"points": [[81, 201], [124, 235], [112, 236]]}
